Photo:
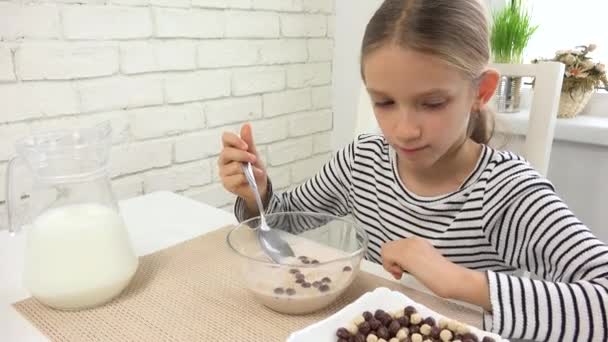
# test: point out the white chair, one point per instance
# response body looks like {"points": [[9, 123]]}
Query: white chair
{"points": [[543, 109]]}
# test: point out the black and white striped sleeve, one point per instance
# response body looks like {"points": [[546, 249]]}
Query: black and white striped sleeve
{"points": [[326, 192], [537, 232]]}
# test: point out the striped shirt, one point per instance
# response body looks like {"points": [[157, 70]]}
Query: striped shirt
{"points": [[504, 217]]}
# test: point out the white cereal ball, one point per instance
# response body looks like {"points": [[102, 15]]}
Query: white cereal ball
{"points": [[427, 340], [398, 314], [394, 339], [381, 340], [425, 329], [446, 335], [352, 328], [402, 333], [371, 338], [457, 341], [453, 325], [463, 329], [358, 320], [443, 323], [416, 338], [415, 318]]}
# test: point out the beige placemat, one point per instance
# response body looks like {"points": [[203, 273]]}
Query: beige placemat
{"points": [[193, 292]]}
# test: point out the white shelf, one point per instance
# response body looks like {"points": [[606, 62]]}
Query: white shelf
{"points": [[583, 129]]}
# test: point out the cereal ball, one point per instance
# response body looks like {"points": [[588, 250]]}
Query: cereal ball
{"points": [[383, 332], [462, 329], [352, 328], [435, 331], [415, 318], [374, 324], [430, 321], [359, 319], [359, 338], [409, 310], [425, 329], [404, 321], [416, 338], [364, 328], [393, 328], [453, 325], [343, 333], [446, 335], [371, 338], [402, 334]]}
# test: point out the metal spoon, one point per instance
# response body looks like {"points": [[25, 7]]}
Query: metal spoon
{"points": [[270, 241]]}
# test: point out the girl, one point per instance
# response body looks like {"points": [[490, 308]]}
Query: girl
{"points": [[436, 201]]}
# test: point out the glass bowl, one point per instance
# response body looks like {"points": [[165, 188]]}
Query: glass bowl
{"points": [[328, 251]]}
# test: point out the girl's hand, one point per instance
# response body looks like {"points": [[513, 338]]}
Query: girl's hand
{"points": [[237, 150], [443, 277]]}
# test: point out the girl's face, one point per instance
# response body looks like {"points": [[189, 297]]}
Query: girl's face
{"points": [[422, 104]]}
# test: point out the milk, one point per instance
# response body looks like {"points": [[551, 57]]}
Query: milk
{"points": [[78, 256]]}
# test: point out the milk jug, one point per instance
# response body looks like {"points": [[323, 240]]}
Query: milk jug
{"points": [[78, 254]]}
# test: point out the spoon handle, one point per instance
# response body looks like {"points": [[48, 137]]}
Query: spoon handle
{"points": [[248, 171]]}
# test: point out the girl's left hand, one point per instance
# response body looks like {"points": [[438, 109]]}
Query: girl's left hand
{"points": [[446, 279]]}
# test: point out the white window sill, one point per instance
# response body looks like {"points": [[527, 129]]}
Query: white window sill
{"points": [[586, 129]]}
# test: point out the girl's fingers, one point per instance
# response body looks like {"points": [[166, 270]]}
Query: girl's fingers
{"points": [[230, 154], [232, 140]]}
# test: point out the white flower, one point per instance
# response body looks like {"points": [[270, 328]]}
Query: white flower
{"points": [[588, 64], [600, 67], [576, 72], [568, 59]]}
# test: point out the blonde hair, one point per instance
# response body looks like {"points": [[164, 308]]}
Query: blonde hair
{"points": [[456, 31]]}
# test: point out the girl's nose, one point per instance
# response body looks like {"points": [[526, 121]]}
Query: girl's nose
{"points": [[408, 127]]}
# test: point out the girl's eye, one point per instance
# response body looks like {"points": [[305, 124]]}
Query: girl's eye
{"points": [[434, 105], [383, 103]]}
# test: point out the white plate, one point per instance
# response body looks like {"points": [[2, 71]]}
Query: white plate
{"points": [[380, 298]]}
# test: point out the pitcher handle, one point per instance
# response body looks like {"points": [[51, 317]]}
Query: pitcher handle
{"points": [[15, 206]]}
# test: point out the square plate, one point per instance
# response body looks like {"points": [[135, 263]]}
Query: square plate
{"points": [[381, 298]]}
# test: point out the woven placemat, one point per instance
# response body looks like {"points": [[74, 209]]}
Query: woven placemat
{"points": [[193, 292]]}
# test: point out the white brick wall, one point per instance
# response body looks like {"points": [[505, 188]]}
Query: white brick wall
{"points": [[196, 23], [64, 62], [310, 122], [171, 76], [321, 97], [258, 80], [303, 25], [252, 24], [19, 21], [106, 22], [140, 57], [226, 53], [287, 102], [7, 72], [229, 111], [312, 74]]}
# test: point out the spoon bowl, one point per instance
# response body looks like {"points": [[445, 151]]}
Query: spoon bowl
{"points": [[270, 241]]}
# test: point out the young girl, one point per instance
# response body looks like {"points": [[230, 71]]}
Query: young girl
{"points": [[436, 201]]}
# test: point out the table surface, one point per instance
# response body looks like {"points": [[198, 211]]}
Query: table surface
{"points": [[155, 221]]}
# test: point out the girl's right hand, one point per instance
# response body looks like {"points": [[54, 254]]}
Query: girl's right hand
{"points": [[237, 150]]}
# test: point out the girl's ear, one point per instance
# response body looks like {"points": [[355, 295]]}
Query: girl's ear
{"points": [[487, 86]]}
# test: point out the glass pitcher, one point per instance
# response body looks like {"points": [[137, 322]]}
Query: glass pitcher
{"points": [[78, 254]]}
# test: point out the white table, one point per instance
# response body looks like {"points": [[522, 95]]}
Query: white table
{"points": [[155, 221]]}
